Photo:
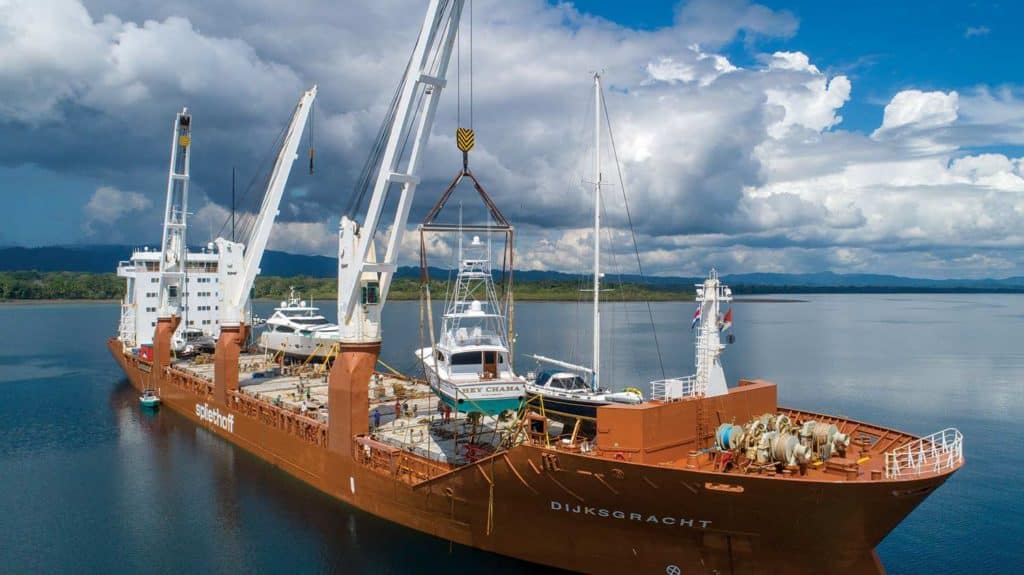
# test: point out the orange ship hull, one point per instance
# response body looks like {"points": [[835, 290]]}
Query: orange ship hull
{"points": [[569, 510]]}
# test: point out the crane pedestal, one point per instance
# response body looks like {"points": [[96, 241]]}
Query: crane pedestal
{"points": [[348, 394], [165, 328], [225, 360]]}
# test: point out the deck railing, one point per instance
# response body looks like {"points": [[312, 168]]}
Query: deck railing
{"points": [[936, 453], [674, 388]]}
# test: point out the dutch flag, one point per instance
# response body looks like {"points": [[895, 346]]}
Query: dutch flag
{"points": [[696, 318]]}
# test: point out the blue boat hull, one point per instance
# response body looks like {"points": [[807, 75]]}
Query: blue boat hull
{"points": [[488, 407]]}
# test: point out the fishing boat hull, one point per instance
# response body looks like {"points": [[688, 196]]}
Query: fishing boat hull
{"points": [[630, 516], [486, 406], [490, 397]]}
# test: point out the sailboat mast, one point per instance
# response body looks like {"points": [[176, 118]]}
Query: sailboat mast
{"points": [[595, 381]]}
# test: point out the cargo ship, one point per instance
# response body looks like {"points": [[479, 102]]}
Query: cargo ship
{"points": [[696, 479]]}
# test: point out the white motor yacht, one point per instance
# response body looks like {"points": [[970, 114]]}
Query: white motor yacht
{"points": [[297, 329]]}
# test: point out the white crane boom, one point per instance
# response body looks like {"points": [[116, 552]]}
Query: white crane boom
{"points": [[413, 118], [239, 264], [174, 245]]}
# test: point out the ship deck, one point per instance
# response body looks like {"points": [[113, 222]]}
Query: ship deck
{"points": [[410, 419], [411, 422]]}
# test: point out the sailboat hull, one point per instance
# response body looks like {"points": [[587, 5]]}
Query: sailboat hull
{"points": [[566, 406]]}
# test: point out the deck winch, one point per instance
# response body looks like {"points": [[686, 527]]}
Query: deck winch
{"points": [[777, 439], [824, 438]]}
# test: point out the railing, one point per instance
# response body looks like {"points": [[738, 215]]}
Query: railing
{"points": [[936, 453], [126, 328], [674, 388]]}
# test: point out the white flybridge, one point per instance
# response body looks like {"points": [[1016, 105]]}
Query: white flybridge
{"points": [[709, 380], [240, 263], [363, 283], [174, 245], [566, 392]]}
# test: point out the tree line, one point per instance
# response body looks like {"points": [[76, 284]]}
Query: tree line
{"points": [[32, 285]]}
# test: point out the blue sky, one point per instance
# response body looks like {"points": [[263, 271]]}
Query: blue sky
{"points": [[884, 46], [757, 136]]}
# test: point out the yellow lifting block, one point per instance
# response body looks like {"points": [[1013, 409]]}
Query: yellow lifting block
{"points": [[184, 141], [465, 139]]}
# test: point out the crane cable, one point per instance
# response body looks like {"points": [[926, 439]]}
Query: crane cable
{"points": [[465, 138]]}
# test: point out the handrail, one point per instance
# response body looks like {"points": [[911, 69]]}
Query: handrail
{"points": [[936, 453], [674, 388]]}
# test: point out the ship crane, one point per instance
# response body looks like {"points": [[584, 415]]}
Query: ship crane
{"points": [[363, 282], [361, 279], [239, 263], [174, 244]]}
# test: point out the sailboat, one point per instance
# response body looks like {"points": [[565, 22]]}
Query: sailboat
{"points": [[470, 367], [565, 389]]}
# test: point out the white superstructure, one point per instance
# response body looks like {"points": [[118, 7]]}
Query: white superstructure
{"points": [[141, 304]]}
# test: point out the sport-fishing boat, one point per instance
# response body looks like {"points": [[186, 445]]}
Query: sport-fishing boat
{"points": [[297, 329], [566, 392], [699, 479], [469, 367]]}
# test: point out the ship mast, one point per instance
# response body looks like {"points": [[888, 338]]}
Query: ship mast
{"points": [[595, 380]]}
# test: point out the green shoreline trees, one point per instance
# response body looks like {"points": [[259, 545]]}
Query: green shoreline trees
{"points": [[32, 285]]}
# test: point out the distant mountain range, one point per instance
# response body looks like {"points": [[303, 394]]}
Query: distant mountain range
{"points": [[104, 258]]}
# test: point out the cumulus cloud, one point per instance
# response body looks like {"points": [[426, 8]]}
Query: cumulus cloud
{"points": [[811, 105], [108, 205], [124, 67], [917, 110], [745, 166], [697, 66]]}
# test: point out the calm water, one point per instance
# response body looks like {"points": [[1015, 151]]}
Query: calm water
{"points": [[90, 484]]}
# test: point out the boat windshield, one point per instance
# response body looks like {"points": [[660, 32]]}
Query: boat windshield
{"points": [[569, 383], [308, 320]]}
